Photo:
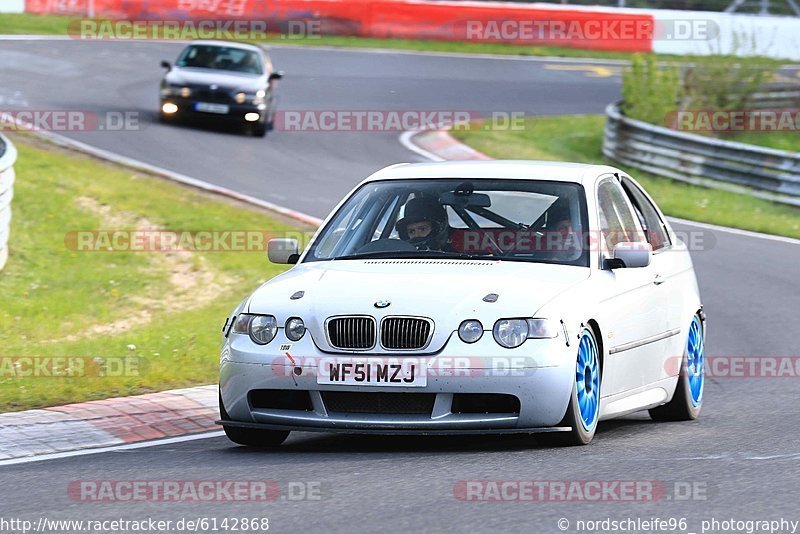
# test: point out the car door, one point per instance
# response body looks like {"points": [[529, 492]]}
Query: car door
{"points": [[669, 269], [635, 315]]}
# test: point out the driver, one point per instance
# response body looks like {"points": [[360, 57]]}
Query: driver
{"points": [[424, 224]]}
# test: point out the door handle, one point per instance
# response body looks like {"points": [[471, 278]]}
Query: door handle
{"points": [[658, 279]]}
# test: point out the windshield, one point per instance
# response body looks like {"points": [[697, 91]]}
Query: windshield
{"points": [[537, 221], [221, 58]]}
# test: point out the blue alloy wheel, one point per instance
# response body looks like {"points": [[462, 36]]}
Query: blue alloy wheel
{"points": [[587, 381], [695, 362], [688, 397]]}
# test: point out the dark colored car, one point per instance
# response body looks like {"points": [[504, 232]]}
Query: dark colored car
{"points": [[221, 79]]}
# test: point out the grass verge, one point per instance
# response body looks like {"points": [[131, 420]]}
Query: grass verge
{"points": [[579, 138], [158, 313]]}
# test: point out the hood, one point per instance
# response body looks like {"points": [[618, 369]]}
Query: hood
{"points": [[446, 291], [234, 81]]}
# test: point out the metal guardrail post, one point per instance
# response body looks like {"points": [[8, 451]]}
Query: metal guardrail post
{"points": [[8, 155]]}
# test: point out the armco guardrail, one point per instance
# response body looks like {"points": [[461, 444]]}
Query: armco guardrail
{"points": [[773, 174], [775, 97], [8, 155]]}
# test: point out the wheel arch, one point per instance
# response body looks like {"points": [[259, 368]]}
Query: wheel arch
{"points": [[598, 337]]}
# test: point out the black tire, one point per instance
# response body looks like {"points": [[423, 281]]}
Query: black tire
{"points": [[681, 407], [251, 437], [578, 435]]}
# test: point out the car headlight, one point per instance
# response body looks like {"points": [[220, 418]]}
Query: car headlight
{"points": [[186, 92], [170, 90], [470, 331], [260, 328], [259, 99], [240, 98], [542, 329], [512, 333], [295, 328]]}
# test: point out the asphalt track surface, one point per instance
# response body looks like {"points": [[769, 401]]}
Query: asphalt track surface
{"points": [[741, 456]]}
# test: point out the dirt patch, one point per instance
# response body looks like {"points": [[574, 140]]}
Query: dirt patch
{"points": [[192, 282]]}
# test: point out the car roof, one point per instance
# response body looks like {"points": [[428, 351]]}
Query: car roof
{"points": [[498, 169], [229, 44]]}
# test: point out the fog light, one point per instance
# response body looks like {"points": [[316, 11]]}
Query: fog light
{"points": [[251, 117], [169, 108]]}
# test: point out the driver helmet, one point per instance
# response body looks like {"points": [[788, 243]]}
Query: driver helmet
{"points": [[428, 209]]}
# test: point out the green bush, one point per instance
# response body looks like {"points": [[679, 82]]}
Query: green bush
{"points": [[650, 92], [724, 82]]}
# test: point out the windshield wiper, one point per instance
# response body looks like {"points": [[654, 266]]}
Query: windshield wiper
{"points": [[417, 254]]}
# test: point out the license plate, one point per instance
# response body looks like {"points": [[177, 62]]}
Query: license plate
{"points": [[373, 372], [208, 107]]}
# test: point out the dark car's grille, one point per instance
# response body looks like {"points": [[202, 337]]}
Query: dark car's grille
{"points": [[405, 333], [351, 332], [207, 95], [383, 403]]}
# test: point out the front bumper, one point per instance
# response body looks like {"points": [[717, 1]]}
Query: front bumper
{"points": [[539, 375], [236, 112], [395, 431]]}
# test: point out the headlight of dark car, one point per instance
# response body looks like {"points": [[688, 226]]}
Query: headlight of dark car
{"points": [[256, 98], [175, 90]]}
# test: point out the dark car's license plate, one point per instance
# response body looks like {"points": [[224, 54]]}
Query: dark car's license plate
{"points": [[208, 107]]}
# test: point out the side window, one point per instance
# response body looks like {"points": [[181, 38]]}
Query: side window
{"points": [[342, 229], [618, 224], [654, 227], [385, 227]]}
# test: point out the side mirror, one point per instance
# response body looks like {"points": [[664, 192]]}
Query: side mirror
{"points": [[630, 255], [277, 75], [166, 65], [283, 250]]}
